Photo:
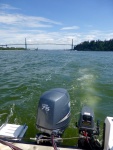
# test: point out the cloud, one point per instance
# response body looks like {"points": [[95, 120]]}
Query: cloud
{"points": [[26, 21], [6, 6], [70, 28]]}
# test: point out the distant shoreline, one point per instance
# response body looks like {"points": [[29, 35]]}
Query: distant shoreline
{"points": [[12, 48]]}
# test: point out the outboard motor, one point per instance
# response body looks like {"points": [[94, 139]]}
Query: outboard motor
{"points": [[88, 130], [86, 120], [53, 112]]}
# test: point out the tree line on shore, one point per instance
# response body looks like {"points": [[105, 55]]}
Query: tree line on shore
{"points": [[95, 45], [12, 48]]}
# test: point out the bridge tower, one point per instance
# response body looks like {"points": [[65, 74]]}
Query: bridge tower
{"points": [[25, 44], [72, 45]]}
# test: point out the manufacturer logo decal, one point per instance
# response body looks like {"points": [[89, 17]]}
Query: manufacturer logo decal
{"points": [[45, 107]]}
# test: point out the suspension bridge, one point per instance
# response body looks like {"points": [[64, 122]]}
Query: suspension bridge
{"points": [[26, 44]]}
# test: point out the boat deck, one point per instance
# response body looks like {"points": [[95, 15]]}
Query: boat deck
{"points": [[23, 146], [10, 131]]}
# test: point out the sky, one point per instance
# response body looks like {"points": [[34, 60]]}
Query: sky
{"points": [[55, 22]]}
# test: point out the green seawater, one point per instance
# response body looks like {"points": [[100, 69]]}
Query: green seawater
{"points": [[25, 75]]}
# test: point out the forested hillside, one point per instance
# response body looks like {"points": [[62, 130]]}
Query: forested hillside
{"points": [[95, 46]]}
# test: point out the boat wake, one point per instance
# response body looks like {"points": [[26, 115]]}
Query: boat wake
{"points": [[87, 87]]}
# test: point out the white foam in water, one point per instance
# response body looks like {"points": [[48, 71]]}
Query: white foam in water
{"points": [[87, 84], [2, 114], [11, 114], [86, 77]]}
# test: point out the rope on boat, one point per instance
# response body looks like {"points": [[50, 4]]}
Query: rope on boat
{"points": [[87, 139], [34, 139], [71, 138], [54, 143], [10, 145]]}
